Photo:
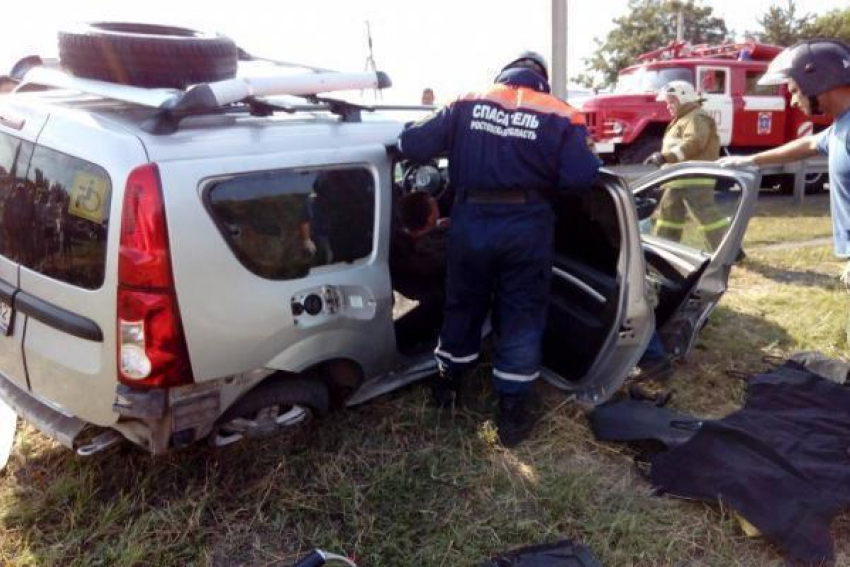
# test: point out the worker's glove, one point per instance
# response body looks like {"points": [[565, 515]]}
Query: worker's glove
{"points": [[656, 159], [309, 247], [393, 152], [735, 161], [845, 276]]}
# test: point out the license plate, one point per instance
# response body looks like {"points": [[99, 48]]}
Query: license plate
{"points": [[6, 317]]}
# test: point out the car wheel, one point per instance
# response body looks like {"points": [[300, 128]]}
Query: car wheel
{"points": [[278, 404], [147, 55]]}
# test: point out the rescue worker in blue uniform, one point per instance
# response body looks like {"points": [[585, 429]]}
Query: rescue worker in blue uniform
{"points": [[508, 148]]}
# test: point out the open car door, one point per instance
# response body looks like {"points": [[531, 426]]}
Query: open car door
{"points": [[699, 213], [599, 320]]}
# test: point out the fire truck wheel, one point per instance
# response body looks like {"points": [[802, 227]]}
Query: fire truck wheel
{"points": [[641, 149], [146, 55]]}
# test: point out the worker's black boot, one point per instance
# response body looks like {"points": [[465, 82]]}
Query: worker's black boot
{"points": [[445, 389], [515, 419]]}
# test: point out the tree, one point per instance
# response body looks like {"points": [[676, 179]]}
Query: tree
{"points": [[782, 26], [648, 25], [834, 24]]}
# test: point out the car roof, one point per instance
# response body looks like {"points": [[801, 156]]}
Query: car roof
{"points": [[217, 134]]}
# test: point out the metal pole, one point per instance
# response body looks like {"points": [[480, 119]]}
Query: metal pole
{"points": [[559, 49]]}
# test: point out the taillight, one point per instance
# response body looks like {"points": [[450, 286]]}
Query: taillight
{"points": [[152, 350]]}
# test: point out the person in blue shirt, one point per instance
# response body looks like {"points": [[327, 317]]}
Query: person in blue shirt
{"points": [[509, 148], [817, 72]]}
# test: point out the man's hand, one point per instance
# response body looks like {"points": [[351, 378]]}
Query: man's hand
{"points": [[309, 247], [735, 161], [656, 159], [393, 152]]}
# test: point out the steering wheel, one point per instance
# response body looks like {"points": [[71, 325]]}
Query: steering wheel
{"points": [[424, 177]]}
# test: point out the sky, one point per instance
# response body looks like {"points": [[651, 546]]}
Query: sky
{"points": [[452, 46]]}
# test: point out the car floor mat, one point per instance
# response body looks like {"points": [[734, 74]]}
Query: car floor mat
{"points": [[637, 420], [563, 553]]}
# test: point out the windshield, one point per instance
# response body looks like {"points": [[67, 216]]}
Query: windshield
{"points": [[643, 80]]}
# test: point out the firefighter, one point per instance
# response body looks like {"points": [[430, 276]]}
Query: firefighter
{"points": [[508, 148], [692, 135], [817, 72]]}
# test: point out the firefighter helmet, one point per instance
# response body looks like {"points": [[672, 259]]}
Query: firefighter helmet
{"points": [[816, 65], [682, 90], [532, 60]]}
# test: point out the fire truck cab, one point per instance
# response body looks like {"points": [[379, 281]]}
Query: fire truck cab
{"points": [[628, 124]]}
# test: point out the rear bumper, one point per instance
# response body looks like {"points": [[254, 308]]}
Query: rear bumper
{"points": [[58, 426]]}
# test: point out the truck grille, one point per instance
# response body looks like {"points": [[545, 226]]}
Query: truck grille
{"points": [[590, 122]]}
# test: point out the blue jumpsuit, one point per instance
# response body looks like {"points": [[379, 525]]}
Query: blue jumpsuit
{"points": [[513, 138]]}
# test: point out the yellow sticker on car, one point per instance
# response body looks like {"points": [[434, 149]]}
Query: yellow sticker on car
{"points": [[89, 197]]}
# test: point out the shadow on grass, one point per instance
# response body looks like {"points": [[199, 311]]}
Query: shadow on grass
{"points": [[392, 482], [387, 481], [806, 278]]}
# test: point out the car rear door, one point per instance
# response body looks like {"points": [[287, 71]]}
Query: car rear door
{"points": [[67, 278], [19, 129], [691, 240], [294, 269], [599, 320]]}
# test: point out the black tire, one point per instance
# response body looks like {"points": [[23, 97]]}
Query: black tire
{"points": [[146, 55], [277, 390], [640, 149]]}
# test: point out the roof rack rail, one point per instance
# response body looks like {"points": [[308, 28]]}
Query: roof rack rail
{"points": [[168, 121], [221, 97]]}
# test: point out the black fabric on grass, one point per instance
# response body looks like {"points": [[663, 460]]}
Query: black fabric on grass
{"points": [[782, 462]]}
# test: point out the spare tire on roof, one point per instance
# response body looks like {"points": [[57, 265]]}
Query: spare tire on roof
{"points": [[147, 55]]}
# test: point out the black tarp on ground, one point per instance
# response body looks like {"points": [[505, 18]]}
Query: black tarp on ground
{"points": [[563, 553], [782, 462]]}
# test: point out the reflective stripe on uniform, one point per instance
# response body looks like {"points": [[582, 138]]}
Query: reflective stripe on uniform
{"points": [[512, 377], [690, 182], [456, 359], [722, 223], [523, 98], [661, 223]]}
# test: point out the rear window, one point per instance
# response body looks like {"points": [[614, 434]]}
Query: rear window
{"points": [[55, 213], [281, 224]]}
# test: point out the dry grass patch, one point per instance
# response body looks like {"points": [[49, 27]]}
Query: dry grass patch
{"points": [[394, 484]]}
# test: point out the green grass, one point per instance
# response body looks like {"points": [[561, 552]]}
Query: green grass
{"points": [[394, 484], [779, 220]]}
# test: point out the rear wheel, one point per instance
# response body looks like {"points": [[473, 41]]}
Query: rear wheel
{"points": [[280, 403], [147, 55]]}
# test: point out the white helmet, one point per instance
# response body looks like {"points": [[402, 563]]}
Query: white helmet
{"points": [[682, 90]]}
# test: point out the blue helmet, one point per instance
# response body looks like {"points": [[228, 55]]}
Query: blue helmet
{"points": [[531, 60], [816, 65]]}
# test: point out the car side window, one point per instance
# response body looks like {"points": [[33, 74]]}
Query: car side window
{"points": [[281, 224], [753, 88], [695, 210], [63, 217]]}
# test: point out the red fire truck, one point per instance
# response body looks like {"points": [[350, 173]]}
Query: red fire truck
{"points": [[628, 124]]}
